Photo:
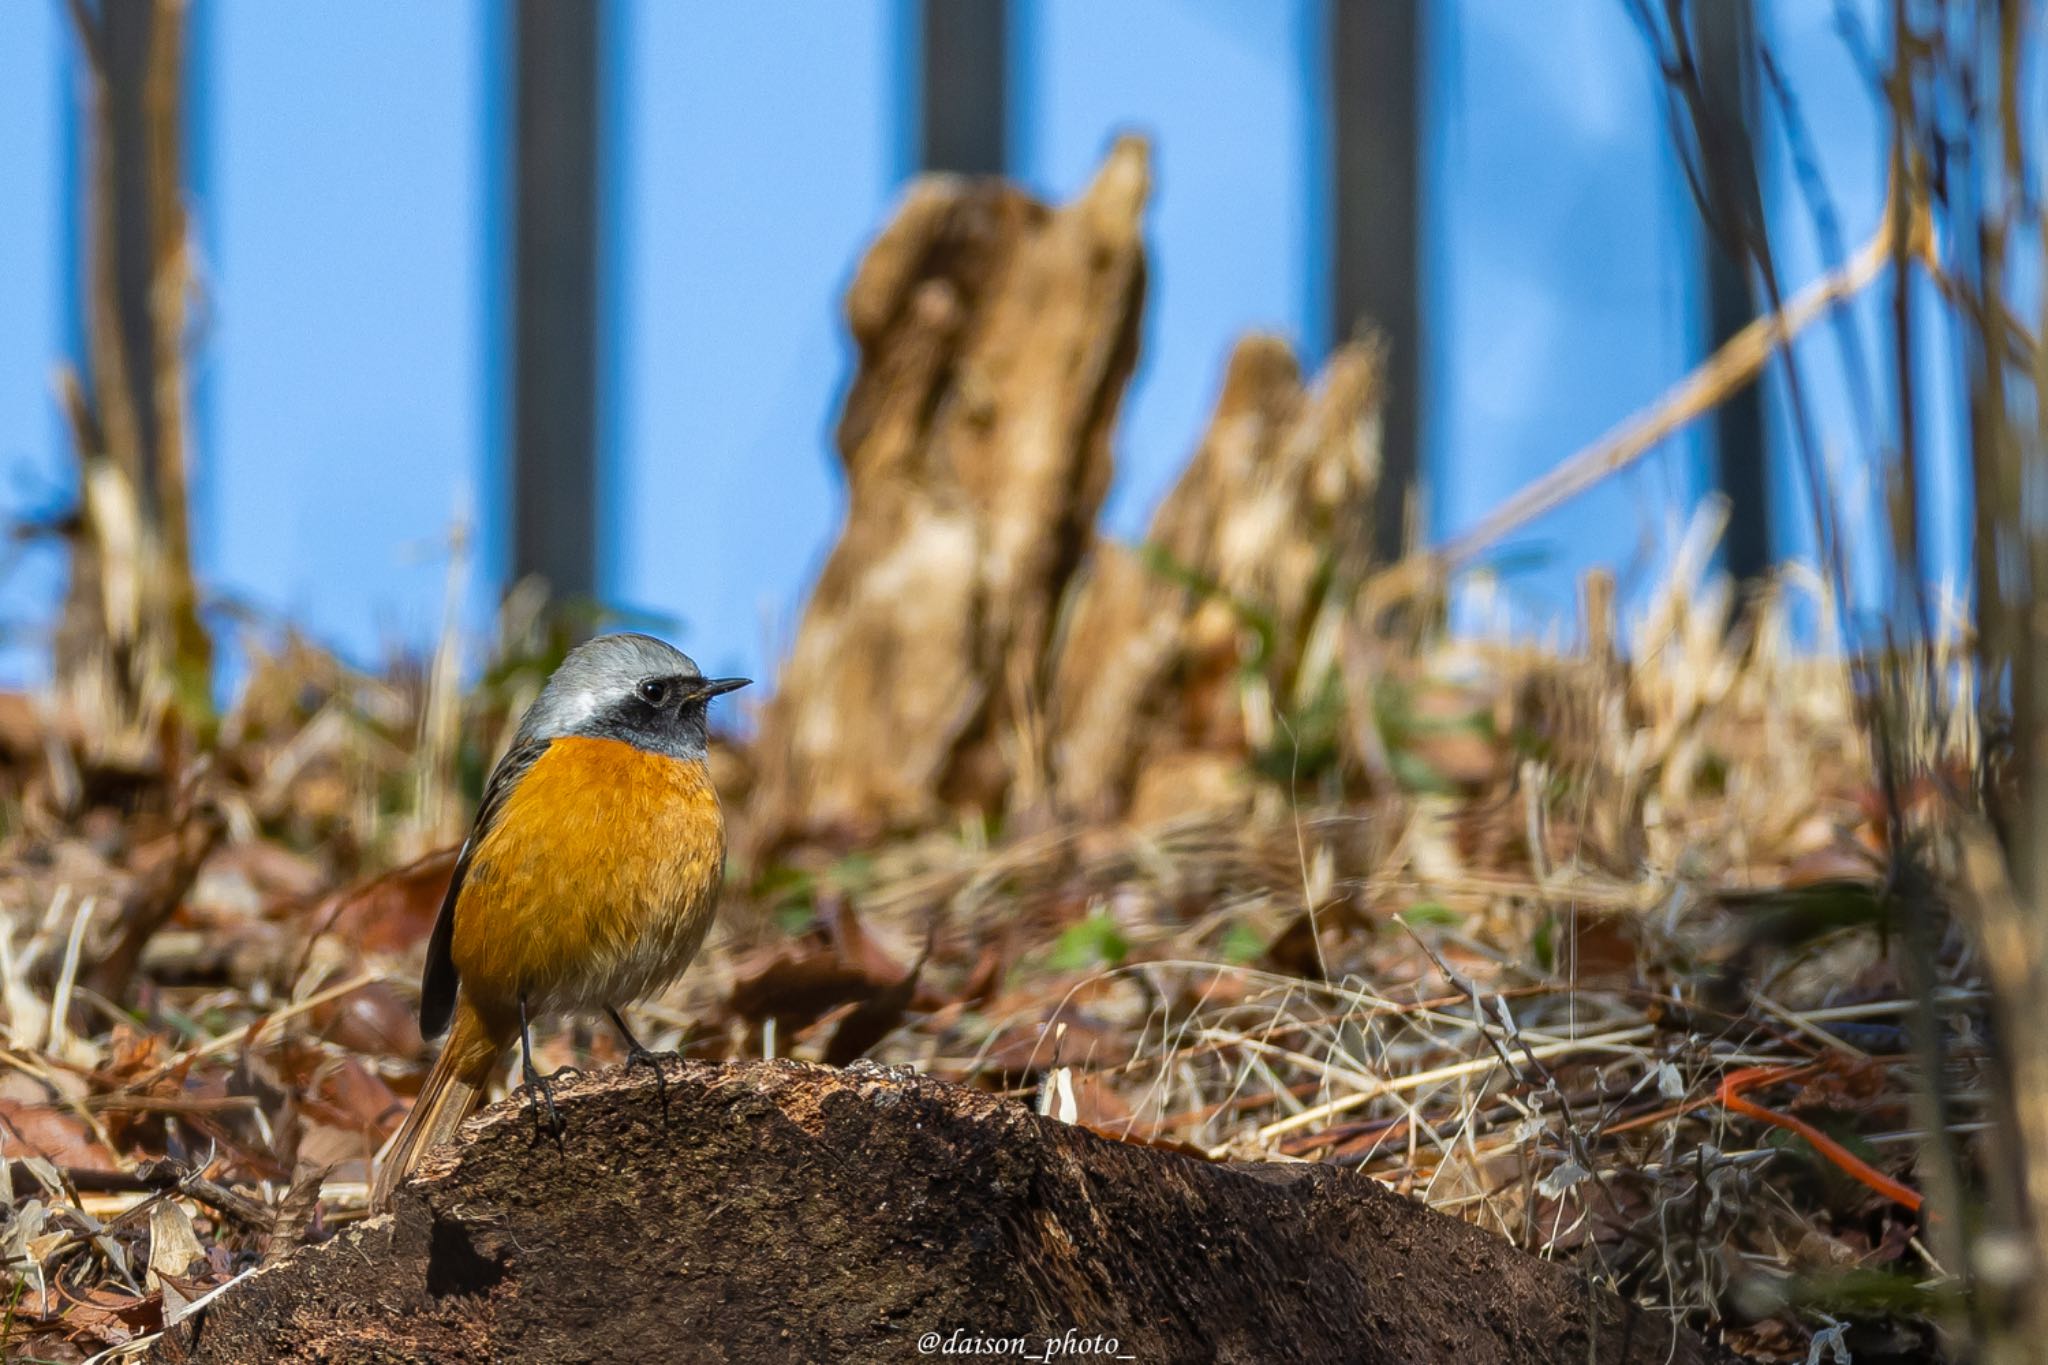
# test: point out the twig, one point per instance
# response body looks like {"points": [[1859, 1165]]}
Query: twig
{"points": [[1419, 1079], [234, 1037]]}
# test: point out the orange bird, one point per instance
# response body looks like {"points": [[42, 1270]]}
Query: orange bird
{"points": [[588, 881]]}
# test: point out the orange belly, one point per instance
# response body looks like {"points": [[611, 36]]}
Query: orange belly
{"points": [[595, 885]]}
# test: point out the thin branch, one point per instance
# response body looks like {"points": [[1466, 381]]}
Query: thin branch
{"points": [[1737, 363]]}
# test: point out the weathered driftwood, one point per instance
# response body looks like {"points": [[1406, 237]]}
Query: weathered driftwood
{"points": [[996, 336], [1176, 655], [778, 1211]]}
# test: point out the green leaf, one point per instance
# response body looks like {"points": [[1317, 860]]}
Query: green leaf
{"points": [[1161, 561], [1869, 1292], [1416, 776], [1545, 943], [1430, 912], [1094, 941], [1242, 943], [854, 872]]}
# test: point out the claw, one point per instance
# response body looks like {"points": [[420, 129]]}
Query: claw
{"points": [[636, 1055], [547, 1120]]}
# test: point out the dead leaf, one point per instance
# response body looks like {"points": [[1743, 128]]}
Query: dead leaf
{"points": [[393, 913], [987, 976], [795, 986], [173, 1249], [872, 1020], [296, 1213], [375, 1020], [856, 948], [1294, 950], [838, 965], [342, 1092], [1022, 1051], [111, 1317], [43, 1128]]}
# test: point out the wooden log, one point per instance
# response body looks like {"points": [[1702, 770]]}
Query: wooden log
{"points": [[781, 1211]]}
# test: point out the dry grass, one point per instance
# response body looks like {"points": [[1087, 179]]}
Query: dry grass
{"points": [[1511, 976]]}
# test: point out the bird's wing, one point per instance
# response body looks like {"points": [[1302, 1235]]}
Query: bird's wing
{"points": [[437, 983]]}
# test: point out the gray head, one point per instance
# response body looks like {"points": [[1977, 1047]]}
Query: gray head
{"points": [[628, 687]]}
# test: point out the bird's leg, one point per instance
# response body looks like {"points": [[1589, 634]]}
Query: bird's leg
{"points": [[636, 1055], [543, 1093]]}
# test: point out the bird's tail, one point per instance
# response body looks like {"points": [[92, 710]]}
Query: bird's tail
{"points": [[453, 1091]]}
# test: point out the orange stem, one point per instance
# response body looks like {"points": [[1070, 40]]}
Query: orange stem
{"points": [[1730, 1095]]}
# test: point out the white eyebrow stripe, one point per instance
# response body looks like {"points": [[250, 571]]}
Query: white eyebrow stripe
{"points": [[585, 707]]}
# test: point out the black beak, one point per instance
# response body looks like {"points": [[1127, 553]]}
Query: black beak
{"points": [[718, 687]]}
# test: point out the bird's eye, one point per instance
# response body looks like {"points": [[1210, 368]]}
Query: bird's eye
{"points": [[654, 691]]}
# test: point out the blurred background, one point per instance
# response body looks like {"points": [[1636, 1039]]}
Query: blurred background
{"points": [[379, 373]]}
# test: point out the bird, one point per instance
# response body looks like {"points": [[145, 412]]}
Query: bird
{"points": [[588, 881]]}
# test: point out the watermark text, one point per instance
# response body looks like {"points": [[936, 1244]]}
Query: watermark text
{"points": [[1073, 1344]]}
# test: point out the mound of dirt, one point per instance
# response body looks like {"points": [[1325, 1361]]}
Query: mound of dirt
{"points": [[776, 1211]]}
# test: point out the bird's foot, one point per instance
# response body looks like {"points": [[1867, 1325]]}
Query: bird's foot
{"points": [[547, 1120], [637, 1055]]}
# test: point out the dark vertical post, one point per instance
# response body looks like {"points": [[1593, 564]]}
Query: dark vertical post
{"points": [[555, 293], [1724, 40], [962, 88], [1375, 54], [127, 32]]}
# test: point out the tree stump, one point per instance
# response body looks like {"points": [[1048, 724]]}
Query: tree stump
{"points": [[780, 1211], [1176, 657], [996, 336]]}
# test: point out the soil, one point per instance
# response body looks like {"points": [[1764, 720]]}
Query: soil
{"points": [[781, 1211]]}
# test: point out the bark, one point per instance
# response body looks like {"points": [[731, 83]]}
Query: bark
{"points": [[996, 336], [778, 1211]]}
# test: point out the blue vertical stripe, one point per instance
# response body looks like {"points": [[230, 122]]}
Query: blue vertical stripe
{"points": [[759, 146], [344, 352], [36, 327], [1217, 86], [1566, 258]]}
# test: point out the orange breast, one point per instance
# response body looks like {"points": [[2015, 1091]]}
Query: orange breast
{"points": [[596, 884]]}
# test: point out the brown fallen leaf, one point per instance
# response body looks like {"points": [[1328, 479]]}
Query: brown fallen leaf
{"points": [[339, 1090], [873, 1019], [392, 913], [1020, 1052], [33, 1122], [834, 965], [377, 1020], [109, 1317], [794, 985], [987, 976], [854, 945]]}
